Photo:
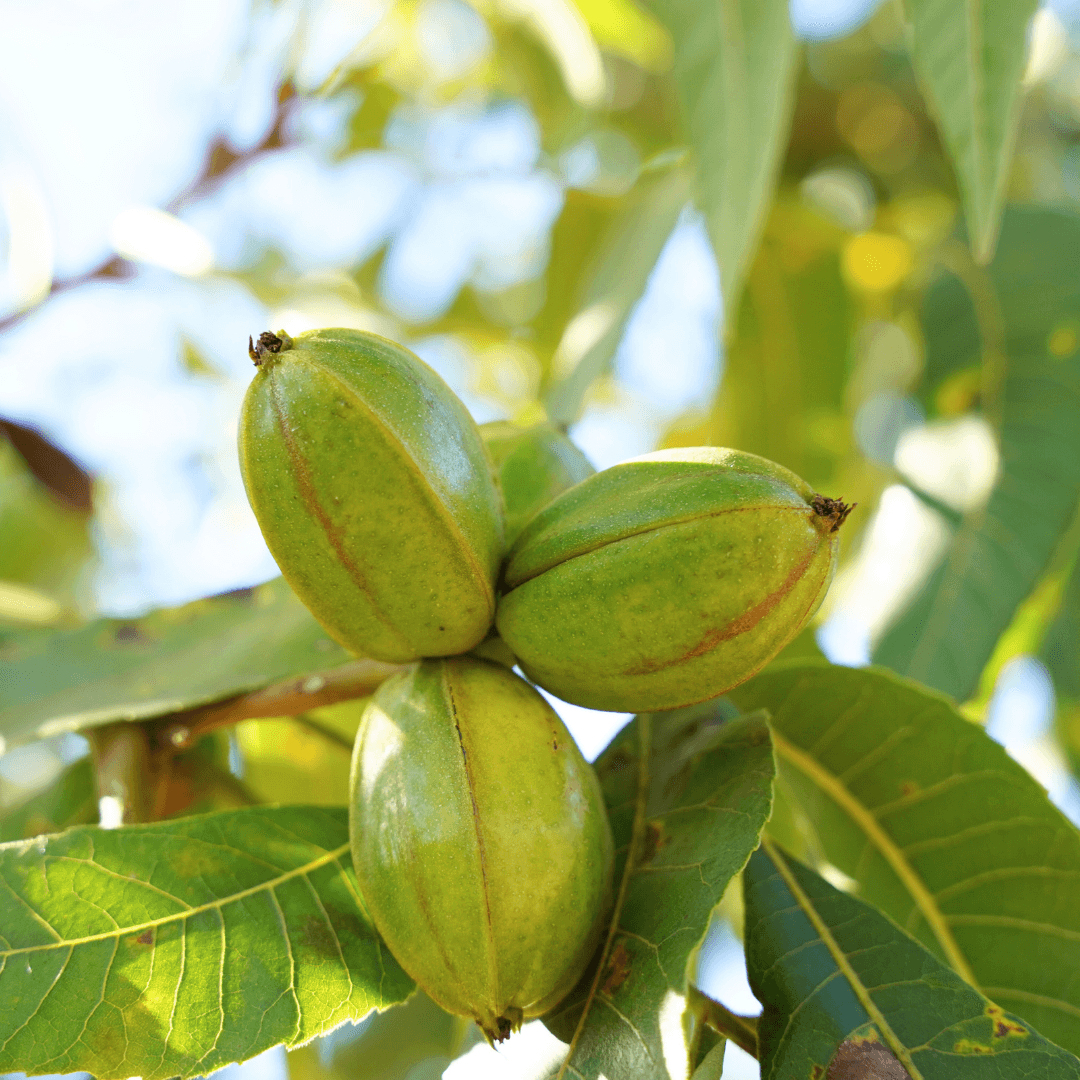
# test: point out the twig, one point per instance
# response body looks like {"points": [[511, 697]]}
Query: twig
{"points": [[352, 680], [741, 1030], [124, 769]]}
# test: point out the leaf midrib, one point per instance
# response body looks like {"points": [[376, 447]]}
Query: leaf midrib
{"points": [[179, 916], [840, 958]]}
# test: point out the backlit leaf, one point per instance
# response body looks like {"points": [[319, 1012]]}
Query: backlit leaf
{"points": [[70, 799], [735, 68], [176, 948], [969, 56], [838, 978], [171, 659], [1028, 302], [614, 285], [938, 826]]}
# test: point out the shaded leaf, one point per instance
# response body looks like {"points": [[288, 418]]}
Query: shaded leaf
{"points": [[297, 760], [735, 69], [1061, 647], [1000, 551], [614, 285], [688, 794], [388, 1046], [44, 539], [832, 970], [171, 659], [969, 56], [69, 800], [939, 827], [176, 948]]}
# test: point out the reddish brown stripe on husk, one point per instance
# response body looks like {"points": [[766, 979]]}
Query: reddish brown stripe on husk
{"points": [[746, 621], [311, 502], [650, 529]]}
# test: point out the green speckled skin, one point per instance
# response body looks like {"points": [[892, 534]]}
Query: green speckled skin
{"points": [[534, 465], [665, 580], [372, 488], [480, 839]]}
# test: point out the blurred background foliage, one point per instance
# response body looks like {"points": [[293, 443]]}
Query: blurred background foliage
{"points": [[549, 202]]}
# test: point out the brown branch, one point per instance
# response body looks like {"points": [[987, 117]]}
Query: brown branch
{"points": [[124, 769], [356, 679]]}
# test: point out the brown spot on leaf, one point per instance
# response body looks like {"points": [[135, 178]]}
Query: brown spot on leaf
{"points": [[865, 1060], [617, 762], [618, 969], [908, 787], [146, 937], [655, 841], [969, 1046], [317, 936], [817, 1072], [1005, 1028]]}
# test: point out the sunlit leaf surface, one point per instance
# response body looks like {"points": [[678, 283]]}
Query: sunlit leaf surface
{"points": [[176, 948], [969, 56], [1023, 313], [939, 827], [735, 68], [831, 969], [699, 790], [171, 659]]}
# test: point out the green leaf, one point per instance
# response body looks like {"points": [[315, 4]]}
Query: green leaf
{"points": [[688, 795], [171, 659], [44, 542], [830, 969], [1026, 319], [615, 285], [787, 364], [176, 948], [70, 799], [1060, 650], [939, 827], [735, 69], [969, 56]]}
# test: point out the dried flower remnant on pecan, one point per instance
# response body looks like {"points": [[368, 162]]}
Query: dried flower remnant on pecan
{"points": [[267, 343], [834, 511]]}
